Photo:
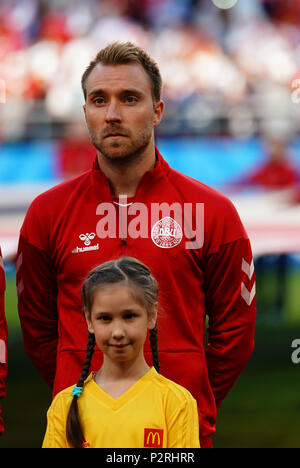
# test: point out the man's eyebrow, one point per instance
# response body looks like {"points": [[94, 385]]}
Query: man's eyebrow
{"points": [[96, 92], [132, 91]]}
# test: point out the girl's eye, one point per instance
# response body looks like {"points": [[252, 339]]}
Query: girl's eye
{"points": [[104, 318], [129, 316]]}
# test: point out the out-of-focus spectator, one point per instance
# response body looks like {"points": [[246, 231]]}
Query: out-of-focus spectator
{"points": [[54, 26], [278, 171], [75, 151], [296, 196], [283, 11]]}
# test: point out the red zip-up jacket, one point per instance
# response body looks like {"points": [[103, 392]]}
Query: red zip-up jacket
{"points": [[63, 237], [3, 340]]}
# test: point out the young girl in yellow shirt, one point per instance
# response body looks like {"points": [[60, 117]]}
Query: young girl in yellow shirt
{"points": [[126, 403]]}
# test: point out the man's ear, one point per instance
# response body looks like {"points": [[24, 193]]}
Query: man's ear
{"points": [[158, 112]]}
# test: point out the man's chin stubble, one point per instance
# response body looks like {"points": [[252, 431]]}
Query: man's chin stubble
{"points": [[122, 157]]}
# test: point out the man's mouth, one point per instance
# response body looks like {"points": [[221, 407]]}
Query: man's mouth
{"points": [[115, 135]]}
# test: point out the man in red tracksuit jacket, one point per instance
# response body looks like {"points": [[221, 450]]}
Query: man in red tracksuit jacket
{"points": [[131, 203], [3, 339]]}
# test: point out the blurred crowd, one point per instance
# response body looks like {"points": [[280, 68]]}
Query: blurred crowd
{"points": [[229, 70]]}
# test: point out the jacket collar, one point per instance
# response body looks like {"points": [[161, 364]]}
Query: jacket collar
{"points": [[161, 166]]}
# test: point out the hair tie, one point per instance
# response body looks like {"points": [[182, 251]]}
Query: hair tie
{"points": [[77, 391]]}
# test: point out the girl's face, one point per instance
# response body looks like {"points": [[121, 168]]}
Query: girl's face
{"points": [[119, 322]]}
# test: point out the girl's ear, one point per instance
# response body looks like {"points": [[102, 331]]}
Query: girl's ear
{"points": [[88, 321], [152, 317]]}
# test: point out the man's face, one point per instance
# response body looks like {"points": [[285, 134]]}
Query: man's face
{"points": [[119, 110]]}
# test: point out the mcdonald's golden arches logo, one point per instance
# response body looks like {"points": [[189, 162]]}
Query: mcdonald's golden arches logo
{"points": [[153, 438]]}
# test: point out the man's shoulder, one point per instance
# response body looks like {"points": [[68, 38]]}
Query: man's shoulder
{"points": [[61, 190], [195, 190], [55, 202], [221, 216]]}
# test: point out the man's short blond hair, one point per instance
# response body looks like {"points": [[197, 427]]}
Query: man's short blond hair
{"points": [[123, 53]]}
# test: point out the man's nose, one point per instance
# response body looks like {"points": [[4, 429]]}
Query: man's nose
{"points": [[113, 113]]}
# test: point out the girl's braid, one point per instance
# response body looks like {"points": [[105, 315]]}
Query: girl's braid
{"points": [[88, 358], [154, 348], [74, 430]]}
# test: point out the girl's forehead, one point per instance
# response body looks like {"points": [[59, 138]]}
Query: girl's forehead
{"points": [[115, 294]]}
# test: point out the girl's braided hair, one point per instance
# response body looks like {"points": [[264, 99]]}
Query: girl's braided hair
{"points": [[138, 277]]}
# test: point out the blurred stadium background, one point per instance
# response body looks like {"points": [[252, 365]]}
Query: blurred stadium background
{"points": [[232, 93]]}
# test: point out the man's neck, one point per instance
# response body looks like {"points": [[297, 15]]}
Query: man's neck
{"points": [[125, 178]]}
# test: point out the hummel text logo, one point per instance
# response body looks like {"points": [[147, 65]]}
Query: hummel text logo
{"points": [[86, 239]]}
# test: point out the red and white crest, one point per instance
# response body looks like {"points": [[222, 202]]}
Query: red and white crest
{"points": [[166, 233]]}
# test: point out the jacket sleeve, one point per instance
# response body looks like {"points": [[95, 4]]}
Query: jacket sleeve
{"points": [[37, 307], [3, 339], [231, 308]]}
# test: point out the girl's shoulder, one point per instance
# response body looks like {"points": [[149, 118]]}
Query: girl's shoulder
{"points": [[172, 389], [64, 397]]}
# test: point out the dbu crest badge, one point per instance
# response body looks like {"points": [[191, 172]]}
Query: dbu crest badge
{"points": [[166, 233]]}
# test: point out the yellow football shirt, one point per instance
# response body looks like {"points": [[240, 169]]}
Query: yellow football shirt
{"points": [[154, 412]]}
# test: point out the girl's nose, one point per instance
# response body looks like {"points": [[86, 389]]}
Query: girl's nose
{"points": [[118, 331]]}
